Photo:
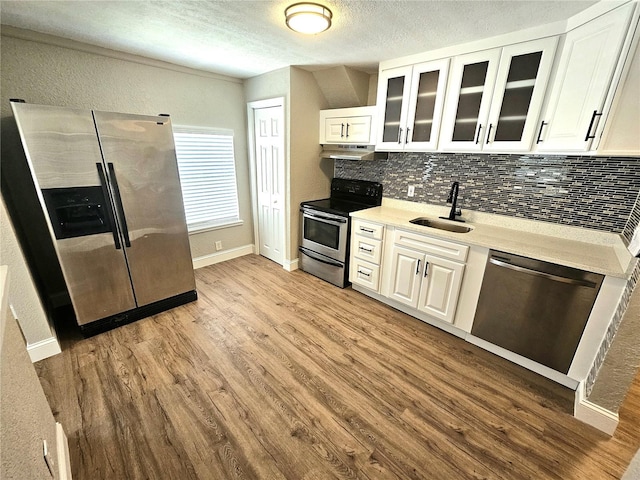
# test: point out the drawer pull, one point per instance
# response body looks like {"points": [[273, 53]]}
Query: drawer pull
{"points": [[365, 249], [367, 230], [364, 273]]}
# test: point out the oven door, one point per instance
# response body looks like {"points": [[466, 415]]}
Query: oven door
{"points": [[325, 233]]}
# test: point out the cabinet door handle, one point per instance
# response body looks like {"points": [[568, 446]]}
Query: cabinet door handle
{"points": [[406, 137], [593, 119], [478, 134], [347, 130], [539, 140], [489, 133], [426, 269], [418, 268], [400, 135], [341, 130]]}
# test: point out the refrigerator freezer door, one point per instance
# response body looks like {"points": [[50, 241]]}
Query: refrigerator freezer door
{"points": [[63, 152], [143, 173]]}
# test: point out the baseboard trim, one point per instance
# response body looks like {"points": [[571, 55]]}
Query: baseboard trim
{"points": [[43, 349], [64, 463], [594, 415], [290, 265], [218, 257]]}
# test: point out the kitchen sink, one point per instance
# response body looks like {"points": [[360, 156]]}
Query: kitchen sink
{"points": [[440, 225]]}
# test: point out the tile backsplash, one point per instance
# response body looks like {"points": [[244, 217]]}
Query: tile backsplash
{"points": [[583, 191]]}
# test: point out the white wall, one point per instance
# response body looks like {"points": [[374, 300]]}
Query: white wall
{"points": [[60, 73]]}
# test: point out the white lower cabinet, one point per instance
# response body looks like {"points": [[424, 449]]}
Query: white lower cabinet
{"points": [[405, 275], [366, 254], [419, 271], [365, 274], [440, 288], [426, 282]]}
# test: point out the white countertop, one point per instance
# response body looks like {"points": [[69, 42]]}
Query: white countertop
{"points": [[582, 248]]}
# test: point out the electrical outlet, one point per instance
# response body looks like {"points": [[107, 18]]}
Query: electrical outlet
{"points": [[218, 245], [411, 191]]}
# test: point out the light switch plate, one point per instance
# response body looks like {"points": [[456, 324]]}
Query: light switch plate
{"points": [[411, 191]]}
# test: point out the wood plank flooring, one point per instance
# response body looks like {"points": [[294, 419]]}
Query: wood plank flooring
{"points": [[278, 375]]}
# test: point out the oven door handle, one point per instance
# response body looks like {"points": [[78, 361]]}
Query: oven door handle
{"points": [[331, 220], [320, 258]]}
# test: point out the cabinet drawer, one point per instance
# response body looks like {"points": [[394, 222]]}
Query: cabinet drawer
{"points": [[365, 274], [367, 249], [369, 230], [435, 246]]}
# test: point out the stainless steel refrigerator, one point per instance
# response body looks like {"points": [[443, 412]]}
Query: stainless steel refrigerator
{"points": [[109, 187]]}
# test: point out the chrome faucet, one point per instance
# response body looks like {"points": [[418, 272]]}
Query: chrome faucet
{"points": [[453, 200]]}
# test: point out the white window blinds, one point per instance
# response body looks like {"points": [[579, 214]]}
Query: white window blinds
{"points": [[208, 176]]}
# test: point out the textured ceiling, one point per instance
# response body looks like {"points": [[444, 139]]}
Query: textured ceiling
{"points": [[247, 38]]}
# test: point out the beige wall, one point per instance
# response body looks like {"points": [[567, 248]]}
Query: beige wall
{"points": [[63, 75], [24, 299], [622, 132], [269, 85], [25, 415], [310, 176], [307, 177], [621, 364], [373, 89]]}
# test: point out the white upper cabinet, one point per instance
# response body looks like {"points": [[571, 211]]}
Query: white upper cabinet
{"points": [[573, 119], [410, 101], [348, 126], [473, 78], [495, 97]]}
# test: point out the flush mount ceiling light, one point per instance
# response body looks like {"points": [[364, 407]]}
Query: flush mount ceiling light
{"points": [[307, 17]]}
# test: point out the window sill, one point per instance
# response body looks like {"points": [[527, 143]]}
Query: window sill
{"points": [[235, 223]]}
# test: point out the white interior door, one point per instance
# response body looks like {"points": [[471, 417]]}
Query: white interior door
{"points": [[269, 154]]}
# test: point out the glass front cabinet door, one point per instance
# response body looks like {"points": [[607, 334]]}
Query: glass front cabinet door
{"points": [[496, 97], [412, 99]]}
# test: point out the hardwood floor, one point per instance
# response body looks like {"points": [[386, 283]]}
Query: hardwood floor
{"points": [[278, 375]]}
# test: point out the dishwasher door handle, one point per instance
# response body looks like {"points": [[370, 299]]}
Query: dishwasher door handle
{"points": [[548, 276]]}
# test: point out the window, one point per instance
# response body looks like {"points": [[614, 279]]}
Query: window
{"points": [[208, 176]]}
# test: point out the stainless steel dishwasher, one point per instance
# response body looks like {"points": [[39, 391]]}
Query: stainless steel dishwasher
{"points": [[535, 309]]}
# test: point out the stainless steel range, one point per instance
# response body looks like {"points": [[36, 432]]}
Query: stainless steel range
{"points": [[326, 228]]}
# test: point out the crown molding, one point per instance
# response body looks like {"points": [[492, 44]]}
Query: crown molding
{"points": [[33, 36]]}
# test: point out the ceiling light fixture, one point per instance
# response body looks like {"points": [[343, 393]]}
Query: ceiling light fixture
{"points": [[307, 17]]}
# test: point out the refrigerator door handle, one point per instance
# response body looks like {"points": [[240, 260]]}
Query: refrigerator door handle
{"points": [[109, 206], [119, 207]]}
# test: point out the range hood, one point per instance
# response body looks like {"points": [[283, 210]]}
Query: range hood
{"points": [[352, 152]]}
